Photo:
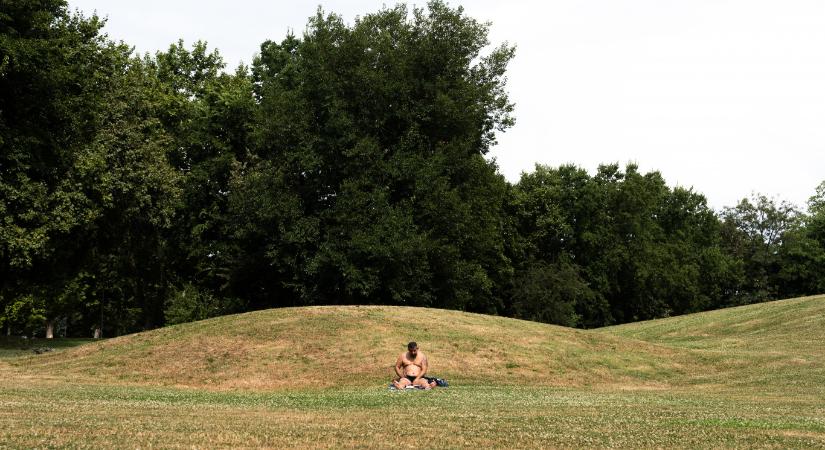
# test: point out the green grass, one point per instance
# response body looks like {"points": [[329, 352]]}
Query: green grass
{"points": [[795, 325], [521, 417], [775, 347], [740, 378]]}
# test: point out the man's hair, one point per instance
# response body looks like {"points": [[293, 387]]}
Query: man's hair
{"points": [[412, 345]]}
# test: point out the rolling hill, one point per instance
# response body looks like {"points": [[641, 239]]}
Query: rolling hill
{"points": [[768, 346], [351, 346], [775, 346]]}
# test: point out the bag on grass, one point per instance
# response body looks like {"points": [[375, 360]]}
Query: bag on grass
{"points": [[438, 381]]}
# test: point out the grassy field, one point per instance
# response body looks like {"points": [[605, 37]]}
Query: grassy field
{"points": [[316, 377]]}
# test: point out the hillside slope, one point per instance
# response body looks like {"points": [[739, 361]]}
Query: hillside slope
{"points": [[755, 349], [326, 346], [770, 346]]}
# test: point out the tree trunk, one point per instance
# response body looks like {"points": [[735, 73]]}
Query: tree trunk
{"points": [[97, 333], [8, 330], [50, 329]]}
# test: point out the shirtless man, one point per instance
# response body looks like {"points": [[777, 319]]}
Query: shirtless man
{"points": [[411, 367]]}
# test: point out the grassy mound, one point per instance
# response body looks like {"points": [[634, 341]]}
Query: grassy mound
{"points": [[796, 325], [773, 346], [768, 347], [351, 346]]}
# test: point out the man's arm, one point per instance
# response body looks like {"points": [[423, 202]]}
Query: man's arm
{"points": [[398, 370], [424, 366]]}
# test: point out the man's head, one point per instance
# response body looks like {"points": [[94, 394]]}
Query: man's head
{"points": [[412, 347]]}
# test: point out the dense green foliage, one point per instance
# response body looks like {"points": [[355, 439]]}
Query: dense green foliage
{"points": [[346, 166]]}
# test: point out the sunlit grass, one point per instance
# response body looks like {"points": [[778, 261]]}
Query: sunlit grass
{"points": [[522, 417], [774, 347]]}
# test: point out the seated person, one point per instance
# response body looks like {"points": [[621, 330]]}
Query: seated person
{"points": [[411, 367]]}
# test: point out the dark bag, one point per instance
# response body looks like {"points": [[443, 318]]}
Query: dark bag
{"points": [[438, 381]]}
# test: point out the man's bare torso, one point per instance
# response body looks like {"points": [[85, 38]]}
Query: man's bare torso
{"points": [[412, 366]]}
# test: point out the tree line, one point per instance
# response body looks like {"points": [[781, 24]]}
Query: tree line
{"points": [[344, 166]]}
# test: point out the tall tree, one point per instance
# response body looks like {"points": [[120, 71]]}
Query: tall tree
{"points": [[557, 213], [209, 115], [128, 171], [803, 251], [636, 249], [83, 162], [372, 137], [54, 67], [754, 232]]}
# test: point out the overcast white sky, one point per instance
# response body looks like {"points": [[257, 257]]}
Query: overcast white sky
{"points": [[726, 96]]}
